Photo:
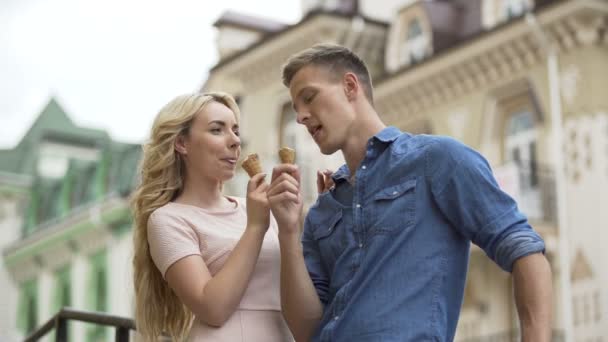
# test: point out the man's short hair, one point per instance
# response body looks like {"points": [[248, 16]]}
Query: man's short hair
{"points": [[337, 59]]}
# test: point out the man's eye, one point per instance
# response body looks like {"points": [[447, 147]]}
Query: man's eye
{"points": [[216, 130], [309, 98], [237, 133]]}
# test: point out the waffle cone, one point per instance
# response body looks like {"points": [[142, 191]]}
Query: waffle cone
{"points": [[287, 155], [252, 165]]}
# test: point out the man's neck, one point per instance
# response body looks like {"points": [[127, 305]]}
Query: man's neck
{"points": [[354, 150]]}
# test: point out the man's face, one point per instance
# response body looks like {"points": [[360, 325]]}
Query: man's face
{"points": [[322, 106]]}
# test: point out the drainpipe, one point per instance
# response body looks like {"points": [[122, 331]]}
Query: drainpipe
{"points": [[551, 51]]}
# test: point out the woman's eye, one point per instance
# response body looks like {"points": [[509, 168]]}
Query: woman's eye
{"points": [[237, 133], [216, 130]]}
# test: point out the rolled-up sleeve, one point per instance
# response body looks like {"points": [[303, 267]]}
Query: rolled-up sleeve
{"points": [[467, 193], [314, 265]]}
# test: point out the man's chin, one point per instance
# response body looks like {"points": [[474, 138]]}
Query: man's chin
{"points": [[328, 150]]}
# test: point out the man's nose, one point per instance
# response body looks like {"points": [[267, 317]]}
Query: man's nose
{"points": [[302, 117]]}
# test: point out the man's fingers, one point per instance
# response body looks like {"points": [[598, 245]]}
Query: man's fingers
{"points": [[320, 182], [284, 168], [283, 186], [284, 197]]}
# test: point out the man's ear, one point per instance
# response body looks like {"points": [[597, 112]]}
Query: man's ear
{"points": [[180, 145], [351, 85]]}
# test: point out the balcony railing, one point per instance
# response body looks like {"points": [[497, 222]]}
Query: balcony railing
{"points": [[60, 320]]}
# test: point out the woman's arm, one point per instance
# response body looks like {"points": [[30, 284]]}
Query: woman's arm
{"points": [[213, 299]]}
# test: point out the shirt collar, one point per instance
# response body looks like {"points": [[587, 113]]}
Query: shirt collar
{"points": [[387, 135]]}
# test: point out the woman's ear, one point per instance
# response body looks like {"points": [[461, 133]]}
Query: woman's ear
{"points": [[180, 145]]}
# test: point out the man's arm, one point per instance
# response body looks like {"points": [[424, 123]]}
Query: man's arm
{"points": [[533, 296], [300, 303], [301, 306]]}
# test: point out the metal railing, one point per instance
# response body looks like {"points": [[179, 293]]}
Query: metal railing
{"points": [[59, 322]]}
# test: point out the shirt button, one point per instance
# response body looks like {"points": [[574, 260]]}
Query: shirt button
{"points": [[336, 318], [358, 205], [394, 192], [363, 167], [371, 143], [360, 245]]}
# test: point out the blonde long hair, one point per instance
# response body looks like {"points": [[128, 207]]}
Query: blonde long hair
{"points": [[157, 309]]}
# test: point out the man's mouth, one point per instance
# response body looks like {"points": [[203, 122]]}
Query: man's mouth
{"points": [[314, 131]]}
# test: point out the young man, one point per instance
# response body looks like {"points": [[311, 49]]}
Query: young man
{"points": [[383, 254]]}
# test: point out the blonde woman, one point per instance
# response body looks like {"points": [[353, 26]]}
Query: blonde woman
{"points": [[205, 266]]}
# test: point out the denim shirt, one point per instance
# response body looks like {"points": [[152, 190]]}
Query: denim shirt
{"points": [[388, 255]]}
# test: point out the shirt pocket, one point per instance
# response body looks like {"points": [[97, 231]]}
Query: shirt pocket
{"points": [[328, 237], [394, 208]]}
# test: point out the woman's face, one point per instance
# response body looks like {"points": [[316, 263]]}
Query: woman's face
{"points": [[212, 145]]}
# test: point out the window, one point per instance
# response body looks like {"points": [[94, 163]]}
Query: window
{"points": [[415, 44], [98, 295], [598, 306], [520, 150], [63, 289], [521, 146], [28, 307], [63, 292], [515, 8]]}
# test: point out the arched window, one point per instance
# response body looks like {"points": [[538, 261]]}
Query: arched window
{"points": [[515, 8], [415, 45]]}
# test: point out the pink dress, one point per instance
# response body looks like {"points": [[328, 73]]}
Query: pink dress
{"points": [[179, 230]]}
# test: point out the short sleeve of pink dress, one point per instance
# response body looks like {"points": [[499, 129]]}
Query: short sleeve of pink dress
{"points": [[176, 231]]}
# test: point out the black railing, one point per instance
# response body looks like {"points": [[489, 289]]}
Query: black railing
{"points": [[59, 322]]}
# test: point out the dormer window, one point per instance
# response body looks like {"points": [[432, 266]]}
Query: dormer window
{"points": [[515, 8], [415, 45]]}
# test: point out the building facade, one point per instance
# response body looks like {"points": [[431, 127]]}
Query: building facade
{"points": [[481, 71], [494, 74], [65, 226]]}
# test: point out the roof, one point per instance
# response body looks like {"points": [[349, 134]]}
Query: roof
{"points": [[52, 123], [84, 182], [340, 13], [249, 22]]}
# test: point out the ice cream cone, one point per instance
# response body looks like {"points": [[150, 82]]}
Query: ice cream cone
{"points": [[287, 155], [252, 165]]}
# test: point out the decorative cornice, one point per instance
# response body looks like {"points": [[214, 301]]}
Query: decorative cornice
{"points": [[63, 232], [262, 67], [489, 59]]}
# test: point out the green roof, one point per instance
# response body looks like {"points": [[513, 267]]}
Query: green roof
{"points": [[85, 181], [52, 122]]}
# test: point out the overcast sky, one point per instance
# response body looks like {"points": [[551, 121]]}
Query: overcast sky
{"points": [[111, 64]]}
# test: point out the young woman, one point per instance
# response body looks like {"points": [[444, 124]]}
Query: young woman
{"points": [[206, 265]]}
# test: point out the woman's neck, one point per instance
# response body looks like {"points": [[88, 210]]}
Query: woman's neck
{"points": [[204, 193]]}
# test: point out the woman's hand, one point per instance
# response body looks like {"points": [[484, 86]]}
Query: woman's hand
{"points": [[258, 210]]}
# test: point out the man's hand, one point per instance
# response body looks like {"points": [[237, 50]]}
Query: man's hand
{"points": [[324, 181], [285, 198]]}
